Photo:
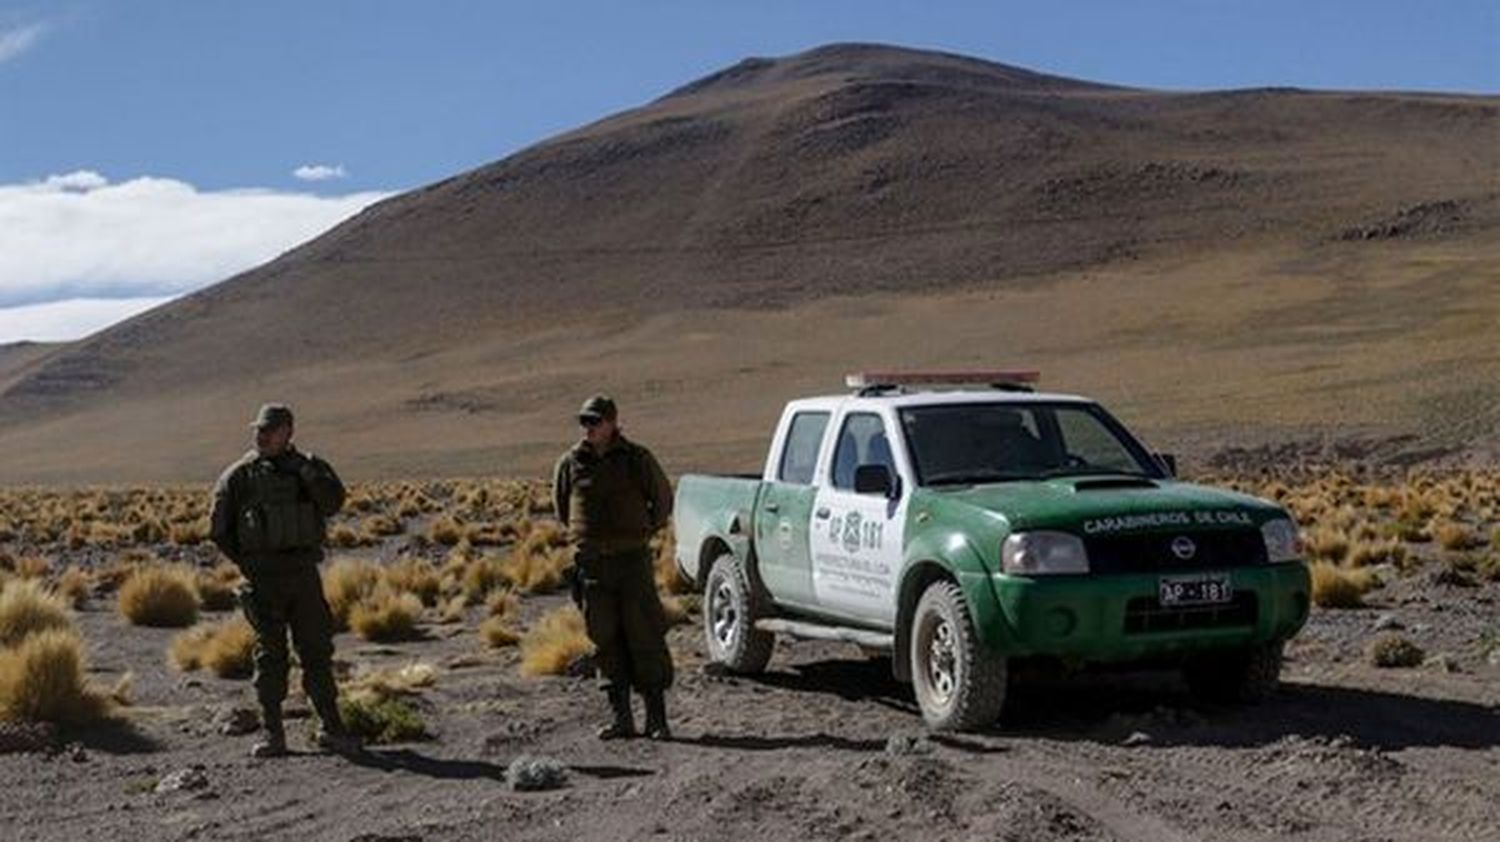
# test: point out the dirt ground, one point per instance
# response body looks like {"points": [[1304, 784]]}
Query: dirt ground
{"points": [[823, 746]]}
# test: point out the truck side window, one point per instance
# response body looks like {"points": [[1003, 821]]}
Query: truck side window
{"points": [[799, 455], [861, 442]]}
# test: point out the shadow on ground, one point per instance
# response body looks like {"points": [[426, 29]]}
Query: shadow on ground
{"points": [[1094, 706]]}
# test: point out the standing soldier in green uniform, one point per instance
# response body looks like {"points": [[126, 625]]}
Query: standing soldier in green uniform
{"points": [[613, 496], [269, 518]]}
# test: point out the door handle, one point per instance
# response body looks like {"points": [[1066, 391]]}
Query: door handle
{"points": [[773, 507], [823, 514]]}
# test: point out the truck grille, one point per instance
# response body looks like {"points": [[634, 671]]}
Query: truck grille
{"points": [[1144, 615], [1152, 553]]}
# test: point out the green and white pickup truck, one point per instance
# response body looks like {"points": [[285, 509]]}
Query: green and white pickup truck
{"points": [[962, 528]]}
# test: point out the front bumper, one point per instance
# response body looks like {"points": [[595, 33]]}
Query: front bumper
{"points": [[1118, 618]]}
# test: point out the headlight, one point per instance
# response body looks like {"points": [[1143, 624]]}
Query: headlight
{"points": [[1043, 553], [1282, 543]]}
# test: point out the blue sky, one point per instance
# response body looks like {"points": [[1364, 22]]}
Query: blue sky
{"points": [[200, 112]]}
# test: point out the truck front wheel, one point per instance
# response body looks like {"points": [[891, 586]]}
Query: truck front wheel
{"points": [[959, 684], [1240, 676], [729, 619]]}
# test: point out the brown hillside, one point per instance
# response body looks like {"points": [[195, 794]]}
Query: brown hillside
{"points": [[1223, 266]]}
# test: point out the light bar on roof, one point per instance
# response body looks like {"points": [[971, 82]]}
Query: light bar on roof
{"points": [[869, 379]]}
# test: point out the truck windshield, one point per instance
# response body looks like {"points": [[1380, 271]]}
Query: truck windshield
{"points": [[964, 444]]}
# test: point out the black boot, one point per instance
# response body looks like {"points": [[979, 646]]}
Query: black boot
{"points": [[623, 726], [656, 715], [274, 743], [332, 735]]}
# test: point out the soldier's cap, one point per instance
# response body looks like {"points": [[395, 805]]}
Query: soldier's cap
{"points": [[599, 406], [272, 415]]}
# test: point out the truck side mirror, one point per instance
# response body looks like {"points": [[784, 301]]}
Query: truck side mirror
{"points": [[876, 479], [1169, 462]]}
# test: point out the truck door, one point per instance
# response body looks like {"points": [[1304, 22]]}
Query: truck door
{"points": [[784, 510], [857, 539]]}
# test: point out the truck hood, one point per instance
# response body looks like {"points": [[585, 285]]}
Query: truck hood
{"points": [[1097, 505]]}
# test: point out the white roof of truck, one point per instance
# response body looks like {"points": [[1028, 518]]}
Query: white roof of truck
{"points": [[938, 397]]}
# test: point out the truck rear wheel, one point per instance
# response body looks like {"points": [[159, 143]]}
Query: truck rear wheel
{"points": [[1240, 676], [729, 619], [959, 684]]}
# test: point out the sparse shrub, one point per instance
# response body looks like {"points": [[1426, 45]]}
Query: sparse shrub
{"points": [[452, 610], [554, 642], [27, 608], [42, 680], [346, 582], [502, 603], [1456, 536], [407, 680], [218, 587], [380, 526], [1335, 587], [445, 530], [1393, 650], [1368, 553], [535, 571], [381, 719], [226, 649], [191, 533], [1326, 543], [74, 586], [1410, 531], [345, 537], [497, 632], [481, 576], [416, 577], [386, 616], [162, 596], [534, 774]]}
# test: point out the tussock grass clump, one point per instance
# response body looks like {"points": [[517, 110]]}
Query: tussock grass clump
{"points": [[498, 633], [406, 680], [225, 649], [1326, 543], [452, 610], [445, 530], [386, 616], [1456, 536], [1336, 587], [163, 596], [32, 567], [218, 588], [190, 533], [416, 577], [1368, 553], [482, 576], [535, 571], [28, 608], [502, 603], [557, 639], [1393, 650], [74, 585], [346, 537], [378, 526], [42, 680], [346, 582]]}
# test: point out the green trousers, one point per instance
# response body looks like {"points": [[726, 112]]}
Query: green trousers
{"points": [[292, 601], [625, 620]]}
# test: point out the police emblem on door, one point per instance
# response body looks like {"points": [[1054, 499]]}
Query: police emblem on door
{"points": [[852, 532]]}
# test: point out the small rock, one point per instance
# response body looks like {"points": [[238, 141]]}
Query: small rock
{"points": [[1388, 622], [183, 780], [1136, 738], [237, 721], [1444, 662], [908, 745], [1493, 659], [78, 753], [530, 774]]}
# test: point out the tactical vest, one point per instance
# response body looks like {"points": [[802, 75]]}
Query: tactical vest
{"points": [[277, 516], [607, 500]]}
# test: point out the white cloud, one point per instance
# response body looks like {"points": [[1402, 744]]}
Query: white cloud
{"points": [[65, 320], [16, 41], [77, 235], [320, 172]]}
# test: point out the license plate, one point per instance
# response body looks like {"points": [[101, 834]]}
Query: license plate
{"points": [[1201, 589]]}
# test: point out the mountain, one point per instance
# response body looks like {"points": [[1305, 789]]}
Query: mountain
{"points": [[1224, 267]]}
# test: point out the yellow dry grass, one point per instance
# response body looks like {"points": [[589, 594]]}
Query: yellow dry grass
{"points": [[416, 577], [226, 648], [386, 616], [1336, 587], [28, 608], [498, 632], [74, 585], [160, 595], [218, 587], [557, 640], [42, 679], [346, 582]]}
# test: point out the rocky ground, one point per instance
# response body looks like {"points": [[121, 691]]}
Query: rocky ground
{"points": [[823, 746]]}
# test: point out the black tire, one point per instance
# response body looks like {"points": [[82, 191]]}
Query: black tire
{"points": [[1240, 676], [959, 684], [729, 612]]}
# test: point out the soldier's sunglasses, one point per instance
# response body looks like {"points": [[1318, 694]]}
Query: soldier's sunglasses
{"points": [[590, 420]]}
